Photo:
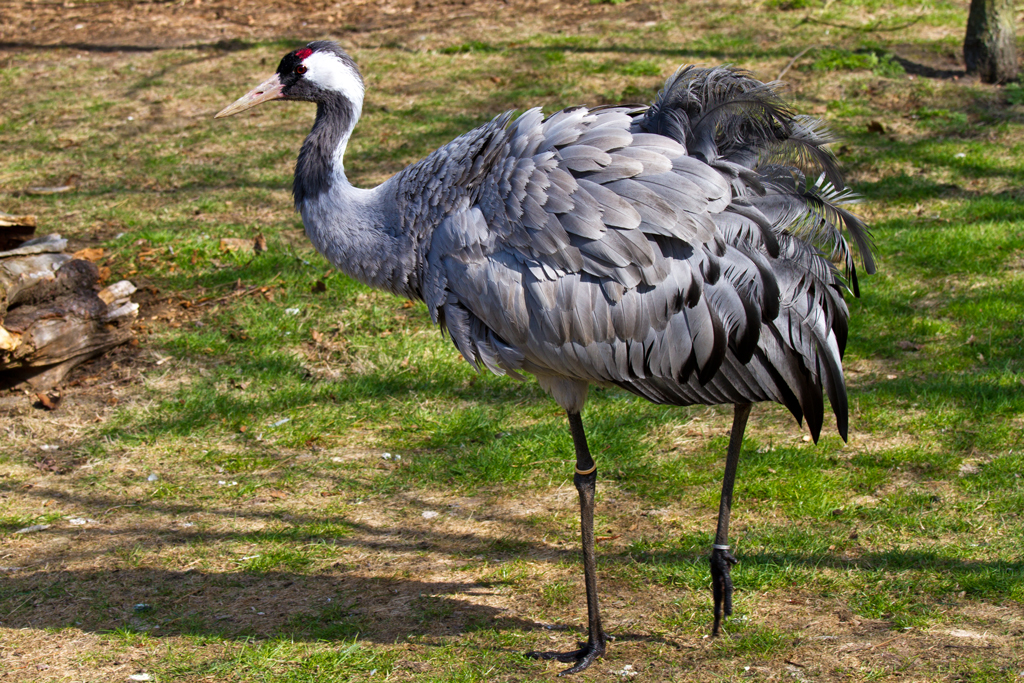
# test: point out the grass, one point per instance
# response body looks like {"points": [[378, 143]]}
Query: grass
{"points": [[277, 542]]}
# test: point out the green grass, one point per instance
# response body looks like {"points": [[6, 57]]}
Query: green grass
{"points": [[312, 561]]}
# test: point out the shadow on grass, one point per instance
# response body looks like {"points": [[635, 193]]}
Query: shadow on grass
{"points": [[247, 605], [345, 600], [232, 45], [374, 604], [925, 71]]}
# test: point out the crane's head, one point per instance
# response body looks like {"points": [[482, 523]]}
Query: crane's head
{"points": [[321, 72]]}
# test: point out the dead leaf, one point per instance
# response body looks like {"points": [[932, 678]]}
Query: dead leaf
{"points": [[259, 244], [237, 244], [319, 287], [50, 400], [49, 464], [876, 127], [89, 254], [274, 493]]}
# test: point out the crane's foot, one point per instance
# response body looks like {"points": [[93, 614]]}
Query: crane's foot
{"points": [[584, 657], [721, 585]]}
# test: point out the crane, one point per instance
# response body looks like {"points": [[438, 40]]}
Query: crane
{"points": [[682, 251]]}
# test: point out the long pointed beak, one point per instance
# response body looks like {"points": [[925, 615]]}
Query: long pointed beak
{"points": [[269, 89]]}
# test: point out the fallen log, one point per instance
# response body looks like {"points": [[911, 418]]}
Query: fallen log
{"points": [[15, 229], [51, 316]]}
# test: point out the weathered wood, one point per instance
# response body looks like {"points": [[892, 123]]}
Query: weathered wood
{"points": [[24, 268], [51, 316], [15, 229], [8, 220], [990, 44]]}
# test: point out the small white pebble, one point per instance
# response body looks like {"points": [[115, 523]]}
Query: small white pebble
{"points": [[132, 118], [187, 524], [386, 456], [77, 521], [337, 459], [140, 677], [291, 311], [430, 514], [222, 483], [961, 155], [152, 477]]}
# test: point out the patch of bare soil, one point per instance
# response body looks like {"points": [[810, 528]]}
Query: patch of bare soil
{"points": [[481, 563], [142, 26], [88, 397]]}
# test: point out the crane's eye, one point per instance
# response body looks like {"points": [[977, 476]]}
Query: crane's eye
{"points": [[301, 69]]}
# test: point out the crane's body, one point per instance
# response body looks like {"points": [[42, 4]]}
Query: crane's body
{"points": [[674, 251]]}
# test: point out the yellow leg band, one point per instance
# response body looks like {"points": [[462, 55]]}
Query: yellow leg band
{"points": [[579, 471]]}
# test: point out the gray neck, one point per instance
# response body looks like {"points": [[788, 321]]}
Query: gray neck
{"points": [[353, 228]]}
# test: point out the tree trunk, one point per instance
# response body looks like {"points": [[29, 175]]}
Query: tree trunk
{"points": [[990, 46]]}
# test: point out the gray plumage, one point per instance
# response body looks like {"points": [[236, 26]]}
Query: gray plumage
{"points": [[678, 251], [595, 251]]}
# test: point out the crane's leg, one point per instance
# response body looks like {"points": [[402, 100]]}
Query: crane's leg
{"points": [[721, 559], [585, 481]]}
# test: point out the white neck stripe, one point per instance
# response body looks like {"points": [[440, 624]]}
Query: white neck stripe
{"points": [[329, 72]]}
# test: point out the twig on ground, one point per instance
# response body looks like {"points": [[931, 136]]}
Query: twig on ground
{"points": [[886, 642], [109, 510], [876, 26], [791, 62]]}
